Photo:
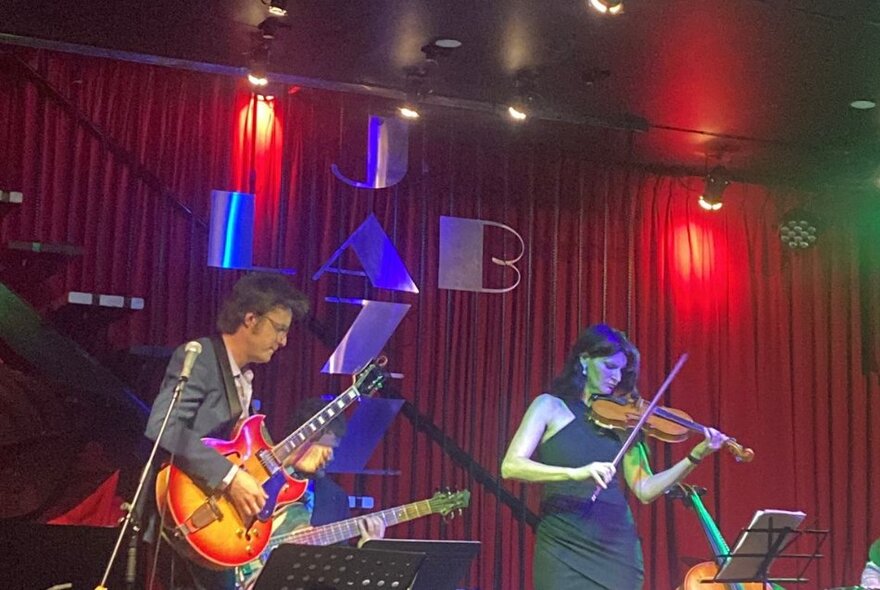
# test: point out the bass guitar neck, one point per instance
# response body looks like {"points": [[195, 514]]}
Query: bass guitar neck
{"points": [[444, 503]]}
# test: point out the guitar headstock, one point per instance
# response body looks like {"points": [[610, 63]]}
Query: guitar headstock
{"points": [[446, 503], [371, 378]]}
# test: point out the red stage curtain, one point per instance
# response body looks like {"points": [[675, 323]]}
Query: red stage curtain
{"points": [[258, 140], [120, 160], [782, 344]]}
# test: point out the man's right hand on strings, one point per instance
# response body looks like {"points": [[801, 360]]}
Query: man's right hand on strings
{"points": [[247, 495]]}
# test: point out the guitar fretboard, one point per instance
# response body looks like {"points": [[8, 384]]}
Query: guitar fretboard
{"points": [[315, 424], [348, 529]]}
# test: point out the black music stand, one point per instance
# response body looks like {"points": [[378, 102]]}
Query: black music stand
{"points": [[765, 540], [307, 567], [447, 562]]}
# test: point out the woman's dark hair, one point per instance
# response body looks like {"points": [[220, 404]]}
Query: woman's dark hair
{"points": [[259, 293], [597, 341]]}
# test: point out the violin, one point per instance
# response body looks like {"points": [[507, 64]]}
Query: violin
{"points": [[666, 424]]}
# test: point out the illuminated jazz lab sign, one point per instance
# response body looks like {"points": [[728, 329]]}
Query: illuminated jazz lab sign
{"points": [[460, 263]]}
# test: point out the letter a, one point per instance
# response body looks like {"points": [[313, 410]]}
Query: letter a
{"points": [[380, 259]]}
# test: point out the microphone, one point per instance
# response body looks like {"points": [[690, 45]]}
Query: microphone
{"points": [[193, 349]]}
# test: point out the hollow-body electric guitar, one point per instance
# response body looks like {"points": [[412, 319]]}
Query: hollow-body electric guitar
{"points": [[206, 526]]}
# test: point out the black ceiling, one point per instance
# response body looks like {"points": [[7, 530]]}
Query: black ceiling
{"points": [[762, 86]]}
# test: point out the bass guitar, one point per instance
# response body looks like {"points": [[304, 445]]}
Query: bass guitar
{"points": [[206, 526], [443, 503]]}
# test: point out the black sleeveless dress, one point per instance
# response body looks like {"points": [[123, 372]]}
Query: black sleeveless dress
{"points": [[578, 546]]}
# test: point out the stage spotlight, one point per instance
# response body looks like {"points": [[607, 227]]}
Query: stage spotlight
{"points": [[257, 78], [269, 28], [416, 87], [607, 6], [525, 95], [517, 112], [408, 110], [440, 48], [716, 182], [278, 7], [258, 71], [799, 229]]}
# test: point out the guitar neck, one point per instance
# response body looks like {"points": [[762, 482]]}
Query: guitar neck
{"points": [[348, 529], [713, 534], [314, 425]]}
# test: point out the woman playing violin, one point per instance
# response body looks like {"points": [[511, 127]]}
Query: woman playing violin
{"points": [[582, 544]]}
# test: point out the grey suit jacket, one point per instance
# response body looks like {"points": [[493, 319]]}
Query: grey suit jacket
{"points": [[209, 406]]}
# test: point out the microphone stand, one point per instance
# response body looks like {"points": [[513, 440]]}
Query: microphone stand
{"points": [[130, 572]]}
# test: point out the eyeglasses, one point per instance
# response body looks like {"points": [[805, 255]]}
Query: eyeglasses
{"points": [[280, 329]]}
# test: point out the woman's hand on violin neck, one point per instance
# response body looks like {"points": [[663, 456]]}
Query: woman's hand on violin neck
{"points": [[713, 441], [601, 473]]}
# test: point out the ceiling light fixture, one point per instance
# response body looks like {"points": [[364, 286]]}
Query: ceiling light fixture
{"points": [[607, 6], [408, 111], [447, 43], [257, 78], [269, 27], [863, 104], [522, 104], [440, 48], [258, 72], [517, 112], [278, 7], [716, 181], [416, 84]]}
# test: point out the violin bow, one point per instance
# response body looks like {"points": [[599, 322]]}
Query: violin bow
{"points": [[645, 415]]}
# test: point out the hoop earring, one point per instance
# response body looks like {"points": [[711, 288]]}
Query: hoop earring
{"points": [[584, 369]]}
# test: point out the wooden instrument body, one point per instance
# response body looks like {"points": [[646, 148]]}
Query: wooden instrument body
{"points": [[697, 576], [694, 579], [216, 534]]}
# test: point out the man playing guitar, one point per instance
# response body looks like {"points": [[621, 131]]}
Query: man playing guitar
{"points": [[253, 323]]}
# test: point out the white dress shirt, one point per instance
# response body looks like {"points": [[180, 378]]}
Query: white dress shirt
{"points": [[245, 393]]}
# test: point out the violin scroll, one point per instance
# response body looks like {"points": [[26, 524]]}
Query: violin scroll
{"points": [[741, 453]]}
